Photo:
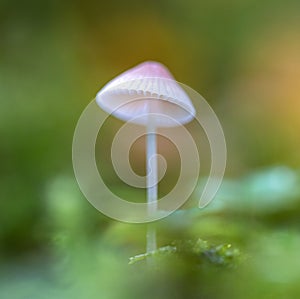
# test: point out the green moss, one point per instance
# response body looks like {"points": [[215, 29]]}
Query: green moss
{"points": [[199, 250]]}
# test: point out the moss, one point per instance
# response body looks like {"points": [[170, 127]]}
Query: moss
{"points": [[201, 251]]}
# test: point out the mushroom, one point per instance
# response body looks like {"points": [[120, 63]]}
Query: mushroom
{"points": [[147, 94]]}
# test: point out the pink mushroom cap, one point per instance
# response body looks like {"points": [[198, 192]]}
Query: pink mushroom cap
{"points": [[146, 88]]}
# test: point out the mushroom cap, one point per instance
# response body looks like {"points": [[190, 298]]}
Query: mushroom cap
{"points": [[147, 88]]}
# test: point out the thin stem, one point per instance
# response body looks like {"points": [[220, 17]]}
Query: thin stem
{"points": [[151, 162]]}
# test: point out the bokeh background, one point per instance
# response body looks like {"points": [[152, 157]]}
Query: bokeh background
{"points": [[242, 56]]}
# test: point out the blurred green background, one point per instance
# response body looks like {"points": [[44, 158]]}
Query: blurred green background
{"points": [[242, 56]]}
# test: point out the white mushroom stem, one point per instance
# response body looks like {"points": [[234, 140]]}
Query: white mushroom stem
{"points": [[151, 162]]}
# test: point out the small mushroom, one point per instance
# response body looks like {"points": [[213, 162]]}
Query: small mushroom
{"points": [[143, 95]]}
